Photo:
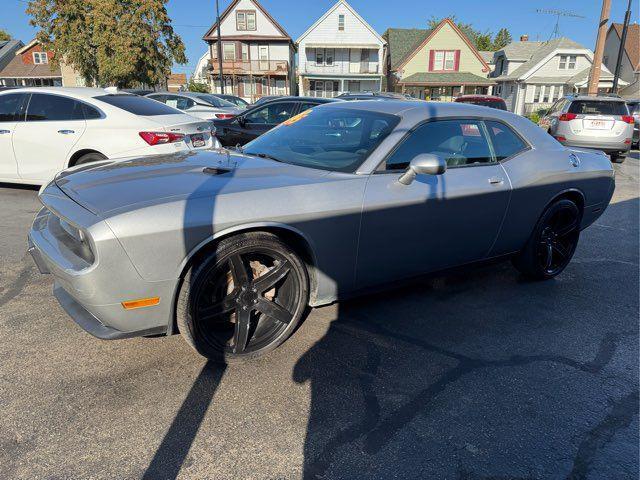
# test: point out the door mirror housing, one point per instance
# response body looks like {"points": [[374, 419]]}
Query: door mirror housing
{"points": [[426, 164]]}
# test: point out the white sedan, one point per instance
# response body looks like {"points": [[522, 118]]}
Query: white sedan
{"points": [[45, 130]]}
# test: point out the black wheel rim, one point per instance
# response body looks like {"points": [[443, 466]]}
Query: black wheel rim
{"points": [[247, 301], [558, 239]]}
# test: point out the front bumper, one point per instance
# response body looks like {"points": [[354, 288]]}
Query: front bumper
{"points": [[92, 294]]}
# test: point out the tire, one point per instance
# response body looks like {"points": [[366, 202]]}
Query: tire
{"points": [[244, 299], [552, 243], [616, 158], [89, 157]]}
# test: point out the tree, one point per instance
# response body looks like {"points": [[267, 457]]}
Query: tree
{"points": [[4, 35], [110, 42], [502, 39], [483, 41], [199, 87]]}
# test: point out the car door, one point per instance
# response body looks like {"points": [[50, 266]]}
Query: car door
{"points": [[11, 112], [43, 142], [438, 221], [261, 120]]}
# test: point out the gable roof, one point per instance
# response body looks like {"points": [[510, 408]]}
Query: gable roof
{"points": [[330, 11], [632, 42], [487, 56], [7, 46], [402, 42], [26, 47], [465, 39], [229, 9], [16, 68], [536, 54]]}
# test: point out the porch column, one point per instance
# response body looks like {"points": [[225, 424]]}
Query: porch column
{"points": [[342, 86], [461, 89]]}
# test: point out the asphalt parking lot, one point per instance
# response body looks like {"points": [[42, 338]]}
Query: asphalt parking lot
{"points": [[480, 375]]}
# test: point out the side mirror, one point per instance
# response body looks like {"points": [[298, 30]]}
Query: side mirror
{"points": [[426, 164]]}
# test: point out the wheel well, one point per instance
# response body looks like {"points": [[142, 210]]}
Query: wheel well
{"points": [[575, 196], [80, 153], [292, 239]]}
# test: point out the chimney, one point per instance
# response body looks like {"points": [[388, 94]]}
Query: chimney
{"points": [[524, 38]]}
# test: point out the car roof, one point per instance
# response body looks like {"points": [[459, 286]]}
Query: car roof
{"points": [[77, 92], [479, 96], [301, 99], [595, 98]]}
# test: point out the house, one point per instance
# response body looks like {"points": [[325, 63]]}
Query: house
{"points": [[630, 66], [201, 74], [177, 82], [31, 66], [257, 53], [533, 75], [436, 64], [340, 53], [8, 49]]}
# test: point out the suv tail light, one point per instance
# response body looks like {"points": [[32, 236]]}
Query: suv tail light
{"points": [[627, 118], [224, 116], [157, 138], [567, 117]]}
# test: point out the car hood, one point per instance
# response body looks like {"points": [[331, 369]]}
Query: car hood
{"points": [[119, 185]]}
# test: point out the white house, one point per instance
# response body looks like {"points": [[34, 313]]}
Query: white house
{"points": [[340, 53], [257, 53], [201, 74], [533, 75]]}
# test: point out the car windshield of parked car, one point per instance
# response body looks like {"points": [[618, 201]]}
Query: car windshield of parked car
{"points": [[215, 101], [595, 107], [328, 139], [137, 105]]}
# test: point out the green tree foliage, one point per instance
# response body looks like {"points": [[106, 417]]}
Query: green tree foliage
{"points": [[481, 40], [110, 42], [4, 35], [502, 39], [194, 86]]}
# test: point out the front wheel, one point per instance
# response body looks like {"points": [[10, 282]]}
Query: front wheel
{"points": [[552, 243], [244, 299]]}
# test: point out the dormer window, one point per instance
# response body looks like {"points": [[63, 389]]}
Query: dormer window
{"points": [[40, 58], [245, 20], [341, 23], [567, 62]]}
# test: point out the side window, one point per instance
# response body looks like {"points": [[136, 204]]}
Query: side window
{"points": [[459, 142], [181, 103], [11, 107], [304, 106], [53, 108], [159, 98], [272, 114], [90, 113], [505, 142]]}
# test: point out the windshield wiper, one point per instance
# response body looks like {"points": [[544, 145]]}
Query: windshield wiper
{"points": [[265, 155]]}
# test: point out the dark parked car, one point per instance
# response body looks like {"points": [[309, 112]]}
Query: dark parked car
{"points": [[483, 100], [373, 96], [261, 118], [137, 91], [266, 98], [634, 110]]}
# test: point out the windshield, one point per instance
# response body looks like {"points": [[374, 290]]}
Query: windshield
{"points": [[336, 139], [486, 102], [214, 101], [595, 107]]}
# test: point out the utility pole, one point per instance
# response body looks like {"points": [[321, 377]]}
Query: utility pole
{"points": [[219, 48], [594, 78], [623, 39]]}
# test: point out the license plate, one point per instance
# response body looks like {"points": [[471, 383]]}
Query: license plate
{"points": [[197, 141], [596, 124]]}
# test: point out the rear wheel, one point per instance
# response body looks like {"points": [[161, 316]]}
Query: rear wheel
{"points": [[552, 243], [244, 299], [617, 158], [89, 157]]}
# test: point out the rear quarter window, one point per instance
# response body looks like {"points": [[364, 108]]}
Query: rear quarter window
{"points": [[137, 105], [595, 107]]}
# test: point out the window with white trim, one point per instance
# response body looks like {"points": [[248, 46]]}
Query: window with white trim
{"points": [[567, 62], [444, 60], [229, 51], [246, 20], [341, 23], [40, 58], [325, 56]]}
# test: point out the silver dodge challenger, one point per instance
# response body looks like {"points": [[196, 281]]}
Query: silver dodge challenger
{"points": [[231, 247]]}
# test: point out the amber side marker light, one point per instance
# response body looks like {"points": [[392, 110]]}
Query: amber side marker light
{"points": [[141, 303]]}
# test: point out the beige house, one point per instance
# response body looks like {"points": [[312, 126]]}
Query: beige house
{"points": [[630, 65], [437, 64]]}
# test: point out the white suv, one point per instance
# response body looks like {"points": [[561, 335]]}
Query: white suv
{"points": [[46, 129]]}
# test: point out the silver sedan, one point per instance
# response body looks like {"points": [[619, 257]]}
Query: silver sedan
{"points": [[229, 248]]}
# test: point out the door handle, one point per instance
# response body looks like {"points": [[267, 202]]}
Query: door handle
{"points": [[496, 181], [66, 132], [2, 132]]}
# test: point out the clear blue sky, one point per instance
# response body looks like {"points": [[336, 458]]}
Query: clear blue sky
{"points": [[191, 18]]}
